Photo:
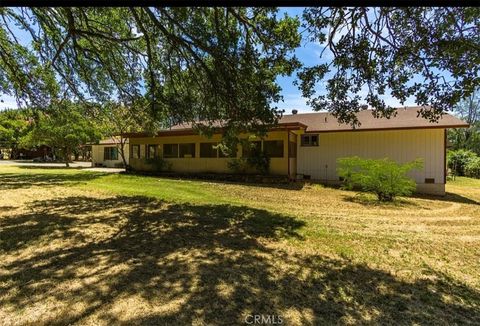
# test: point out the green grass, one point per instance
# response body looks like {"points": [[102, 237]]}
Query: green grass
{"points": [[80, 247]]}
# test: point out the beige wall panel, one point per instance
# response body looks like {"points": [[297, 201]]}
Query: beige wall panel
{"points": [[400, 145]]}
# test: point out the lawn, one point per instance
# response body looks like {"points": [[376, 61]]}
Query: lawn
{"points": [[88, 248]]}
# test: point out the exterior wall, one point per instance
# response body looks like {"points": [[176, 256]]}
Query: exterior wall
{"points": [[400, 145], [278, 166], [97, 155], [292, 161]]}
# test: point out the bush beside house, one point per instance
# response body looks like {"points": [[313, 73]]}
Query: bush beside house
{"points": [[385, 178]]}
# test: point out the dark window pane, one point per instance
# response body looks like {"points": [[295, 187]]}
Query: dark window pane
{"points": [[305, 140], [187, 150], [208, 150], [249, 148], [110, 153], [273, 148], [170, 150], [309, 140]]}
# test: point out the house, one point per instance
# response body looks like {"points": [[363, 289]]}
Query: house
{"points": [[308, 146], [41, 151], [106, 153]]}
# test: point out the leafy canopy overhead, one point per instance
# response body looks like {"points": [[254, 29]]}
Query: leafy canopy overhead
{"points": [[430, 54], [184, 63], [189, 64]]}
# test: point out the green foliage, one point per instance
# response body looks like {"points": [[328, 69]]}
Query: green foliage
{"points": [[63, 127], [472, 168], [384, 177], [457, 160], [14, 125], [385, 50], [159, 164], [256, 159], [181, 64], [467, 138], [259, 160], [238, 165]]}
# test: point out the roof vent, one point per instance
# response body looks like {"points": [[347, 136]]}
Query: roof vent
{"points": [[325, 118], [294, 111]]}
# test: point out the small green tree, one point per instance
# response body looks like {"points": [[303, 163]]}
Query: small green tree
{"points": [[64, 127], [384, 177]]}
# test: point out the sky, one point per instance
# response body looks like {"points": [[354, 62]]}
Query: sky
{"points": [[308, 53]]}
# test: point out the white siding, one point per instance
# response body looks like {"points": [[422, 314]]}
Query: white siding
{"points": [[97, 156], [400, 145]]}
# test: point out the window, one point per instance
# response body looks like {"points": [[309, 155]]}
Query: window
{"points": [[152, 151], [249, 147], [208, 150], [170, 150], [273, 148], [292, 149], [309, 140], [135, 152], [110, 153], [187, 150]]}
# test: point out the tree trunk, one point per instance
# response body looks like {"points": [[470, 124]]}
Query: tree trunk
{"points": [[67, 158], [122, 152]]}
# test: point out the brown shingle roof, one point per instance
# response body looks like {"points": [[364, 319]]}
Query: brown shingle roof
{"points": [[406, 118]]}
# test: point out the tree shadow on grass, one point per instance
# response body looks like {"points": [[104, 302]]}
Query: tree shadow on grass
{"points": [[143, 261], [449, 197], [23, 181]]}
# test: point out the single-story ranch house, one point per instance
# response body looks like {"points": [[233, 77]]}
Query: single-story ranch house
{"points": [[308, 146]]}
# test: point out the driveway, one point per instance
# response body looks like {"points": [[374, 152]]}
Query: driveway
{"points": [[87, 166]]}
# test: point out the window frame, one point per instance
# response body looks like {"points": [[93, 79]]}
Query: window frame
{"points": [[108, 153], [310, 143], [180, 145], [132, 151], [214, 149], [170, 156], [147, 151], [274, 141], [249, 149]]}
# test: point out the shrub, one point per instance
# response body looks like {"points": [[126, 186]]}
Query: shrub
{"points": [[257, 160], [472, 169], [238, 165], [459, 159], [159, 164], [384, 177]]}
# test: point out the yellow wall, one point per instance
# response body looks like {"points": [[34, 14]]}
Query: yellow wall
{"points": [[278, 166]]}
